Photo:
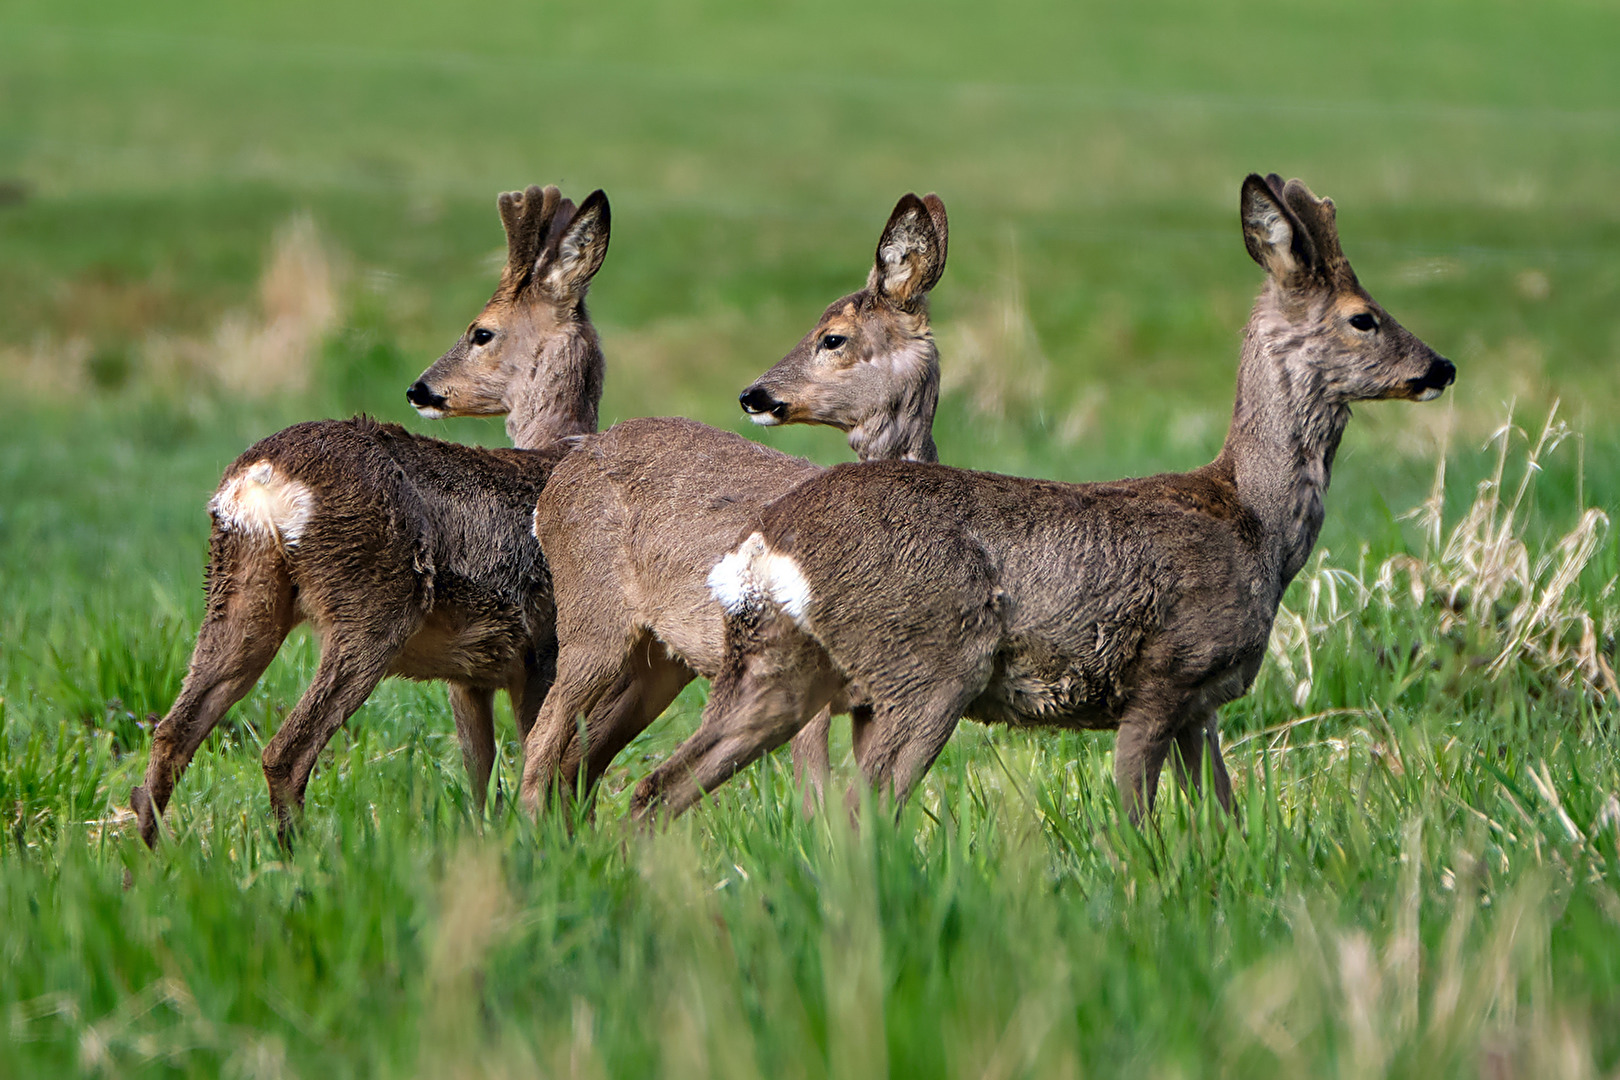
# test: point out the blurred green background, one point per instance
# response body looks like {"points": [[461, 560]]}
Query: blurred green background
{"points": [[1090, 157], [218, 219]]}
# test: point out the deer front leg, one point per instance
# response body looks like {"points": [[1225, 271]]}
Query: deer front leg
{"points": [[528, 693], [1145, 734], [1191, 744], [474, 712]]}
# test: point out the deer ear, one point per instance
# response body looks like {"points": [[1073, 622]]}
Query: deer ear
{"points": [[1275, 237], [942, 225], [910, 253], [560, 220], [576, 251]]}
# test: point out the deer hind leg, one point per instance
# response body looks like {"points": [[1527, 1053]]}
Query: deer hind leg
{"points": [[650, 686], [474, 712], [812, 759], [250, 612], [586, 671], [756, 704], [897, 747], [645, 684], [352, 664]]}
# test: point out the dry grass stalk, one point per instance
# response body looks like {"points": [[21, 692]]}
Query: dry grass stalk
{"points": [[298, 302], [993, 354], [1487, 577]]}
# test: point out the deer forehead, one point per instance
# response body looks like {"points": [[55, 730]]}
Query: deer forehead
{"points": [[1349, 302], [846, 322]]}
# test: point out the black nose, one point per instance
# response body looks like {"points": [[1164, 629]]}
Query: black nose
{"points": [[757, 399], [422, 396], [1441, 374]]}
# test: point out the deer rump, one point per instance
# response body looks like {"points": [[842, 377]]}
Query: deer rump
{"points": [[428, 533]]}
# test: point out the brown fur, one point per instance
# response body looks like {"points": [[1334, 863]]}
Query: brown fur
{"points": [[636, 516], [1141, 605], [409, 556]]}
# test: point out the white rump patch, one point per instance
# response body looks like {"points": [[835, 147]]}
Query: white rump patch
{"points": [[260, 501], [753, 574]]}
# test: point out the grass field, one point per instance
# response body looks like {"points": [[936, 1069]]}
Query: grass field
{"points": [[216, 220]]}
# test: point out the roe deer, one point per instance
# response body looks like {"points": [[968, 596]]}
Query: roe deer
{"points": [[1142, 605], [635, 517], [410, 556]]}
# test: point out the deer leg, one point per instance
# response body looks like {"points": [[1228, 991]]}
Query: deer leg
{"points": [[753, 708], [585, 672], [1217, 764], [349, 671], [528, 693], [250, 615], [474, 712], [618, 718], [1191, 744], [900, 743], [1188, 759], [812, 760], [1145, 735]]}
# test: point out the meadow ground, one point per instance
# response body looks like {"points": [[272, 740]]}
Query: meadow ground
{"points": [[215, 221]]}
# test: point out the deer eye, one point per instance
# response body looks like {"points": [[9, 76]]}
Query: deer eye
{"points": [[833, 341], [482, 336], [1363, 320]]}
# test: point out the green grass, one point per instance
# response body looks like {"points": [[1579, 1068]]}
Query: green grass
{"points": [[1423, 878]]}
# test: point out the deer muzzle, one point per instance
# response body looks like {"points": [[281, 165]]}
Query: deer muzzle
{"points": [[1441, 374], [423, 398], [762, 406]]}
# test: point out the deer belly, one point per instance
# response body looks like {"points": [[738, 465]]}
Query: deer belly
{"points": [[463, 646], [1034, 686]]}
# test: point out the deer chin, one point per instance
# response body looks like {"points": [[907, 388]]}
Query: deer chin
{"points": [[430, 412], [765, 418]]}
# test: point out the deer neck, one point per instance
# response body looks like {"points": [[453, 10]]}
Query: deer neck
{"points": [[1283, 437], [904, 431], [561, 396]]}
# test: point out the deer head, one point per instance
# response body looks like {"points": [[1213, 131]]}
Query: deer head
{"points": [[869, 366], [531, 352]]}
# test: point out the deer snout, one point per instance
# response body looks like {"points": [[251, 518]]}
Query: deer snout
{"points": [[762, 406], [425, 400], [1441, 374]]}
